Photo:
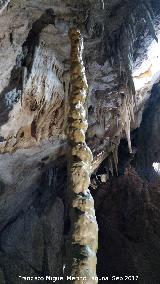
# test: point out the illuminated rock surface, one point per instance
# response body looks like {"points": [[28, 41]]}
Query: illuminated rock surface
{"points": [[122, 59]]}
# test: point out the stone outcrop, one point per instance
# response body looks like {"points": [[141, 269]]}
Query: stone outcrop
{"points": [[121, 59]]}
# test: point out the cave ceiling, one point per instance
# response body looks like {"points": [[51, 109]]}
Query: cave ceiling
{"points": [[121, 57]]}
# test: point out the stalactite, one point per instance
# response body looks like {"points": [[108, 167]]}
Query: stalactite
{"points": [[83, 240], [115, 159], [127, 115], [110, 165], [24, 80], [131, 106], [117, 121], [66, 86], [127, 129], [148, 5], [149, 22]]}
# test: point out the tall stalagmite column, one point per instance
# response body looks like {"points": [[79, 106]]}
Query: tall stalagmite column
{"points": [[84, 230]]}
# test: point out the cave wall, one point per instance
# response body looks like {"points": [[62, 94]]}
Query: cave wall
{"points": [[35, 77], [32, 228], [119, 37], [147, 140], [127, 210]]}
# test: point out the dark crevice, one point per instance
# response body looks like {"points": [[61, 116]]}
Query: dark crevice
{"points": [[23, 60], [33, 37], [148, 139]]}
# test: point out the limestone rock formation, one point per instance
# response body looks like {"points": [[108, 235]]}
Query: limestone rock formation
{"points": [[81, 257], [122, 63]]}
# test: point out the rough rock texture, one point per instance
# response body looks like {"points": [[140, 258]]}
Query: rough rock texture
{"points": [[121, 56], [32, 228], [34, 79], [82, 250], [127, 214]]}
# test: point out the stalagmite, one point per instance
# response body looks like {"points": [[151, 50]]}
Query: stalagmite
{"points": [[81, 255]]}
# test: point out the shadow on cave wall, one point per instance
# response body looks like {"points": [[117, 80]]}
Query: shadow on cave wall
{"points": [[32, 244], [148, 137], [128, 212]]}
